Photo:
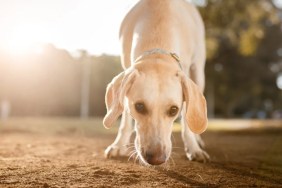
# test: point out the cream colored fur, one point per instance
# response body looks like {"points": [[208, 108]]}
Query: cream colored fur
{"points": [[158, 82]]}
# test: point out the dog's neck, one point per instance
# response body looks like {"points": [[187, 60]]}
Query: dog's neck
{"points": [[159, 51]]}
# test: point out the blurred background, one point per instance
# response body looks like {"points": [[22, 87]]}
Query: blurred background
{"points": [[56, 57]]}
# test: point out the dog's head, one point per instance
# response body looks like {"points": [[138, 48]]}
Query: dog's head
{"points": [[153, 93]]}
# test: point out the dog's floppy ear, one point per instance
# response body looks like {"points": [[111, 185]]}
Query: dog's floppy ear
{"points": [[196, 107], [115, 93]]}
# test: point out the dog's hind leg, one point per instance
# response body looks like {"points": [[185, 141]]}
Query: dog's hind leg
{"points": [[120, 146]]}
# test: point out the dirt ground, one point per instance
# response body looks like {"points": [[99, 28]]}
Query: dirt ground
{"points": [[69, 153]]}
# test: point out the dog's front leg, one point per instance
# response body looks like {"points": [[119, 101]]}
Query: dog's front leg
{"points": [[193, 143], [120, 146]]}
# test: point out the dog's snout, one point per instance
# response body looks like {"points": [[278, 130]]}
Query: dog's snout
{"points": [[155, 158]]}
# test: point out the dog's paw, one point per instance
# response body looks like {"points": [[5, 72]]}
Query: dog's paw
{"points": [[198, 155], [115, 151]]}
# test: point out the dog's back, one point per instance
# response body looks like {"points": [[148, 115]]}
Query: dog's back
{"points": [[173, 25]]}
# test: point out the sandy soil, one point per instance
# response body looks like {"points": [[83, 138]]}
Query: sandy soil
{"points": [[69, 153]]}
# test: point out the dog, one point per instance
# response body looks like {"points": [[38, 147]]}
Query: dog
{"points": [[163, 56]]}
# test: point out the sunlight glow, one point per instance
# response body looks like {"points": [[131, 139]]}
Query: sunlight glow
{"points": [[278, 3], [25, 39], [71, 25]]}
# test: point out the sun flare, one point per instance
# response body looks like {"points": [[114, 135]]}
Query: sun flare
{"points": [[25, 39]]}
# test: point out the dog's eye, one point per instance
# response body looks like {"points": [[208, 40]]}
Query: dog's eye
{"points": [[140, 107], [173, 111]]}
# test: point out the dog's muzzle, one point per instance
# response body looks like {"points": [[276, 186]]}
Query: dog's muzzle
{"points": [[155, 159], [154, 156]]}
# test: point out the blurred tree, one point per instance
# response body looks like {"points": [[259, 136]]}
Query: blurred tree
{"points": [[50, 83], [242, 42], [104, 68]]}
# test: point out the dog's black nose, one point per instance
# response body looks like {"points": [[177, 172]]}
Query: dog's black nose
{"points": [[155, 158]]}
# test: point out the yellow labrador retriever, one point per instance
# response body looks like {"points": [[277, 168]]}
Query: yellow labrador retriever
{"points": [[162, 48]]}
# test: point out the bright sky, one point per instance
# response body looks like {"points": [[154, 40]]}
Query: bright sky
{"points": [[70, 24], [92, 25]]}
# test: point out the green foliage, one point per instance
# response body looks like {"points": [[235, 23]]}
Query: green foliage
{"points": [[240, 24], [249, 41], [243, 37]]}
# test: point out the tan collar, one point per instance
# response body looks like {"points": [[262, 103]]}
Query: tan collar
{"points": [[160, 51]]}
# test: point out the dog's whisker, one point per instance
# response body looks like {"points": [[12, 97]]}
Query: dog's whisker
{"points": [[133, 153], [174, 154], [136, 157], [128, 145], [131, 147], [141, 161], [172, 160], [173, 149], [131, 143]]}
